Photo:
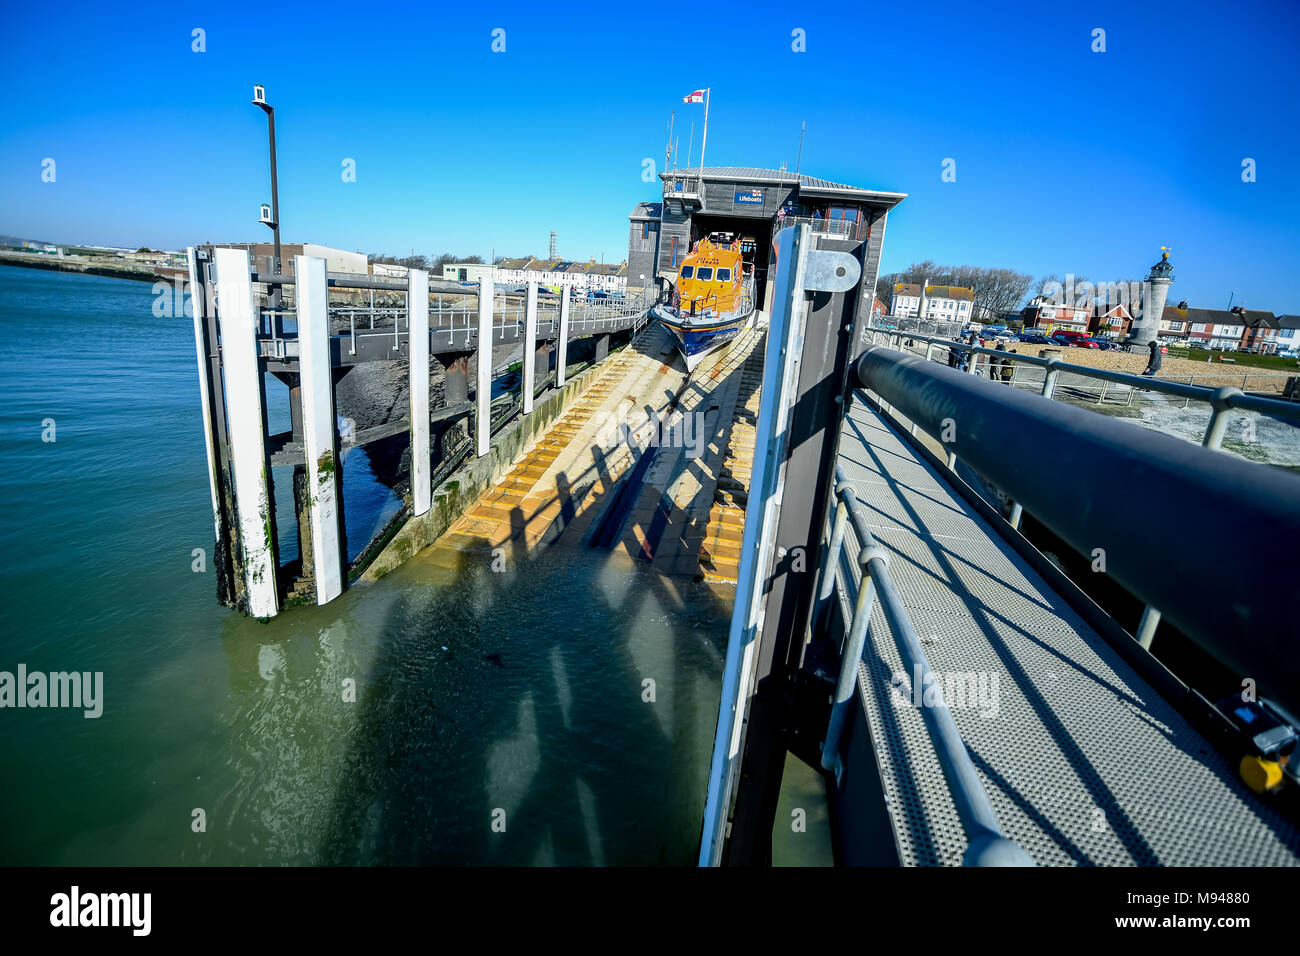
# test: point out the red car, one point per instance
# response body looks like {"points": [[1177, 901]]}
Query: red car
{"points": [[1077, 339]]}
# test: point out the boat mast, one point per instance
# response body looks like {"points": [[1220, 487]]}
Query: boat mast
{"points": [[705, 139], [668, 156]]}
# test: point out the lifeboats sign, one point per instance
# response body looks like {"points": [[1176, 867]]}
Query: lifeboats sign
{"points": [[748, 197]]}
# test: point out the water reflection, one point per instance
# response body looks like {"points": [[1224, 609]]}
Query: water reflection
{"points": [[536, 707]]}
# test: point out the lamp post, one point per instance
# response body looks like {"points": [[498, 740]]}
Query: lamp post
{"points": [[259, 100]]}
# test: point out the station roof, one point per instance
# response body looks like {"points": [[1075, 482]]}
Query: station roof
{"points": [[808, 185], [647, 210]]}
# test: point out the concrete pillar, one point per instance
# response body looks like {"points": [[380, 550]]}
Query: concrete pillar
{"points": [[562, 344], [246, 419], [417, 311], [602, 348], [295, 407], [486, 292], [530, 348], [320, 440], [455, 384]]}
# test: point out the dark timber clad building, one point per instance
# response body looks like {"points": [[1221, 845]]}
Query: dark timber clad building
{"points": [[755, 204]]}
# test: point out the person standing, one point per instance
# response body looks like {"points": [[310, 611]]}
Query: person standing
{"points": [[996, 363], [1153, 363]]}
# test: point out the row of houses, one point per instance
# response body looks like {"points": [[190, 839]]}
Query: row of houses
{"points": [[1251, 330], [589, 276]]}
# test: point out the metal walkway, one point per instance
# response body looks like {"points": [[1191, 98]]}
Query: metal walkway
{"points": [[1083, 761]]}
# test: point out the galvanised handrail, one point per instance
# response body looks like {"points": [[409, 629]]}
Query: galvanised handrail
{"points": [[1221, 400], [987, 846], [1054, 458]]}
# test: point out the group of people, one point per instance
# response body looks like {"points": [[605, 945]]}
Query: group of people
{"points": [[999, 369]]}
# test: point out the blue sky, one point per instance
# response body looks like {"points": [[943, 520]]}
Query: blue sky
{"points": [[1066, 160]]}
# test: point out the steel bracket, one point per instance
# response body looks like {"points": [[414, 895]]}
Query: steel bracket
{"points": [[827, 271]]}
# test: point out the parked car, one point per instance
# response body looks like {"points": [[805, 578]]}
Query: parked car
{"points": [[1105, 344], [1033, 338], [1076, 339]]}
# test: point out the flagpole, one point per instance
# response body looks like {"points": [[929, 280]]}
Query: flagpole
{"points": [[706, 131]]}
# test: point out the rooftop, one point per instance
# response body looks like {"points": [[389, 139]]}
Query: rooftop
{"points": [[807, 184]]}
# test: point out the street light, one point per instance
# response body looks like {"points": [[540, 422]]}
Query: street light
{"points": [[271, 217]]}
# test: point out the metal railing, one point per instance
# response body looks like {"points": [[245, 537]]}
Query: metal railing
{"points": [[843, 228], [683, 184], [1074, 453], [986, 844], [1221, 400]]}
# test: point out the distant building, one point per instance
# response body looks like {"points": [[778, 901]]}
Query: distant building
{"points": [[388, 270], [948, 303], [338, 261], [513, 272], [1288, 334], [469, 271], [1221, 328], [1112, 320], [1043, 313]]}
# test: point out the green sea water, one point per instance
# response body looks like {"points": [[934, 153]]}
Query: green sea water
{"points": [[500, 718]]}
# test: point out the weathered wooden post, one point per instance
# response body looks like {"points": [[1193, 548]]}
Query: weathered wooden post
{"points": [[320, 441], [530, 347], [484, 383], [417, 313], [562, 346], [256, 560]]}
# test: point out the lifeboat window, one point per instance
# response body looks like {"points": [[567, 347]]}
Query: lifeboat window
{"points": [[688, 271], [724, 275], [706, 273]]}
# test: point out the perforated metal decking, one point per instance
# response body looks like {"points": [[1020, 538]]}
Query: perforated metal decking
{"points": [[1083, 762]]}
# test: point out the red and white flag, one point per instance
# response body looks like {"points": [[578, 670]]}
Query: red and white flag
{"points": [[696, 97]]}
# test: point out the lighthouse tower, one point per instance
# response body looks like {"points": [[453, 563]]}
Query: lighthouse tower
{"points": [[1155, 291]]}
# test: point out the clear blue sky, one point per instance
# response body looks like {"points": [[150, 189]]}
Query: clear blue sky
{"points": [[1066, 160]]}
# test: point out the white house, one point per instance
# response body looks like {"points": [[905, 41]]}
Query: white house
{"points": [[941, 302]]}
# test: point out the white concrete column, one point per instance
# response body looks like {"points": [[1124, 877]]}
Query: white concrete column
{"points": [[320, 445], [246, 429], [417, 312], [486, 292], [562, 344], [530, 349], [205, 391]]}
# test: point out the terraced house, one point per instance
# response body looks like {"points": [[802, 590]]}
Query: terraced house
{"points": [[1235, 328]]}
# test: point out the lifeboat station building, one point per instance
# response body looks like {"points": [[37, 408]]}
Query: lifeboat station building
{"points": [[754, 204]]}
